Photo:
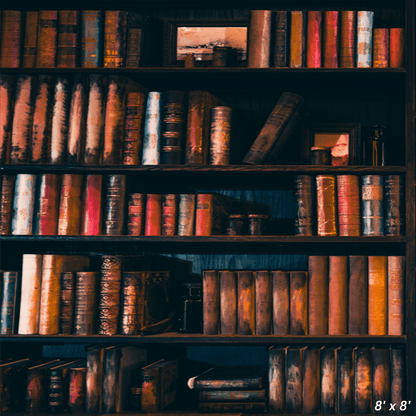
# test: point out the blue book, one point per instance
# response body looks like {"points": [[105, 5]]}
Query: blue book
{"points": [[9, 298], [365, 21], [91, 39], [152, 129]]}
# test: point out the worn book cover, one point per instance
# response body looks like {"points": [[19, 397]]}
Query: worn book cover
{"points": [[311, 384], [348, 31], [246, 304], [338, 295], [298, 305], [358, 295], [314, 39], [30, 40], [228, 302], [67, 48], [47, 201], [328, 370], [264, 297], [330, 37], [380, 361], [47, 39], [85, 315], [91, 39], [7, 84], [11, 39], [259, 39]]}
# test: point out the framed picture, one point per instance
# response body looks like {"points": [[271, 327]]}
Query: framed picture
{"points": [[343, 139], [199, 38]]}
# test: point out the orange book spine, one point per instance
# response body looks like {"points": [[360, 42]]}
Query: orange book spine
{"points": [[314, 39], [381, 51], [228, 302], [282, 298], [92, 213], [47, 215], [70, 205], [396, 48], [11, 39], [115, 39], [7, 84], [298, 303], [47, 39], [31, 40], [67, 38], [297, 40], [326, 205], [330, 39], [210, 302], [377, 295], [153, 224], [263, 303], [246, 304], [348, 39], [169, 214], [318, 295], [395, 273], [337, 295]]}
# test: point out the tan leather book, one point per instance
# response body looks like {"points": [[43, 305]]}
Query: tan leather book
{"points": [[259, 39], [246, 305], [377, 295], [337, 295], [297, 39]]}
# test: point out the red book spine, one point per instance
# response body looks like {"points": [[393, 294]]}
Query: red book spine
{"points": [[331, 39], [347, 39], [70, 205], [153, 215], [68, 39], [47, 215], [92, 219], [204, 214], [7, 83], [47, 39], [11, 38], [30, 40], [381, 50], [396, 48], [348, 194], [314, 39], [136, 213], [169, 214]]}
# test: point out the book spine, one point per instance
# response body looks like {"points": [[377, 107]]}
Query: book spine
{"points": [[55, 391], [380, 360], [150, 389], [318, 295], [7, 84], [204, 214], [91, 43], [115, 202], [36, 392], [115, 39], [377, 295], [47, 39], [30, 299], [345, 381], [398, 378], [394, 205], [186, 214], [298, 303], [396, 48], [280, 39], [24, 198], [48, 204], [69, 221], [310, 381], [153, 224], [67, 38], [94, 137], [30, 40], [42, 120], [263, 303], [6, 203], [314, 39], [348, 197], [133, 303], [86, 302], [134, 47], [92, 212], [326, 205], [277, 403], [365, 21], [246, 305], [77, 390], [169, 214], [210, 302], [67, 303], [395, 275], [362, 383], [109, 295], [347, 39], [306, 205], [381, 52], [9, 299], [11, 39], [136, 212], [294, 371], [357, 295], [213, 407], [282, 319], [94, 381], [228, 302], [330, 39], [259, 39], [133, 128], [297, 39], [220, 136], [111, 379], [22, 119], [232, 395], [337, 295], [328, 372], [152, 129]]}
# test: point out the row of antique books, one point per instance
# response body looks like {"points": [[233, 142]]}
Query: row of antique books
{"points": [[322, 39], [338, 295], [70, 39], [350, 205]]}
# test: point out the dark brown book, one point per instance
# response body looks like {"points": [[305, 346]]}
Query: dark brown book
{"points": [[133, 302], [394, 204], [310, 380], [77, 388], [398, 378], [294, 379], [69, 221], [67, 38], [298, 303], [67, 303], [305, 221], [281, 37], [210, 407], [93, 393], [281, 282], [47, 39], [92, 205], [30, 40], [338, 295], [7, 84], [136, 214], [169, 214], [259, 39], [326, 205], [380, 361], [277, 375], [134, 51], [232, 396], [357, 295], [363, 380], [211, 302], [11, 39], [10, 302], [328, 370], [345, 380], [115, 38], [246, 305], [111, 379], [228, 302], [86, 303], [264, 297], [115, 202], [6, 203]]}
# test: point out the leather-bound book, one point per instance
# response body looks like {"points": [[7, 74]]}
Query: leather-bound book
{"points": [[314, 39], [228, 302], [134, 50], [330, 39], [298, 303], [60, 116], [86, 303], [92, 207], [46, 220], [77, 388], [310, 380], [281, 37], [357, 295], [7, 84], [246, 304], [318, 295], [136, 213], [297, 39], [394, 204], [173, 128], [47, 39], [69, 222], [326, 205], [22, 119], [397, 377], [328, 370], [380, 361], [30, 40], [9, 306], [133, 128], [91, 39], [259, 39], [23, 204], [362, 380], [281, 283], [42, 120], [30, 299], [67, 303], [277, 370], [169, 214], [94, 380], [345, 380], [211, 302], [264, 295], [133, 302], [153, 224], [115, 204], [111, 378], [377, 295], [67, 38], [186, 214], [152, 129], [347, 39], [305, 222], [235, 396], [348, 198], [395, 275], [294, 379], [381, 48], [365, 21], [115, 38], [269, 136], [232, 407], [11, 39], [94, 137], [220, 135], [338, 295], [396, 58], [109, 295], [77, 119], [6, 203]]}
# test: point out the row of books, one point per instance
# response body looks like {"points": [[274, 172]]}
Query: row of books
{"points": [[328, 39], [339, 295], [350, 205], [70, 39]]}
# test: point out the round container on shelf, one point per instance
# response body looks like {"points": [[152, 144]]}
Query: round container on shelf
{"points": [[321, 155]]}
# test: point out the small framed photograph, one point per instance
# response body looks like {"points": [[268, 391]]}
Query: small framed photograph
{"points": [[343, 139], [199, 37]]}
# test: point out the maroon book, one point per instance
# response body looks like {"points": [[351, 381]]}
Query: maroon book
{"points": [[48, 200], [11, 39]]}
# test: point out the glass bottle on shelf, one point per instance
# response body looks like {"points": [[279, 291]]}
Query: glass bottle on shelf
{"points": [[374, 148]]}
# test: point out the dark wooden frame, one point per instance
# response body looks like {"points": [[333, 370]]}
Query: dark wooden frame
{"points": [[354, 130]]}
